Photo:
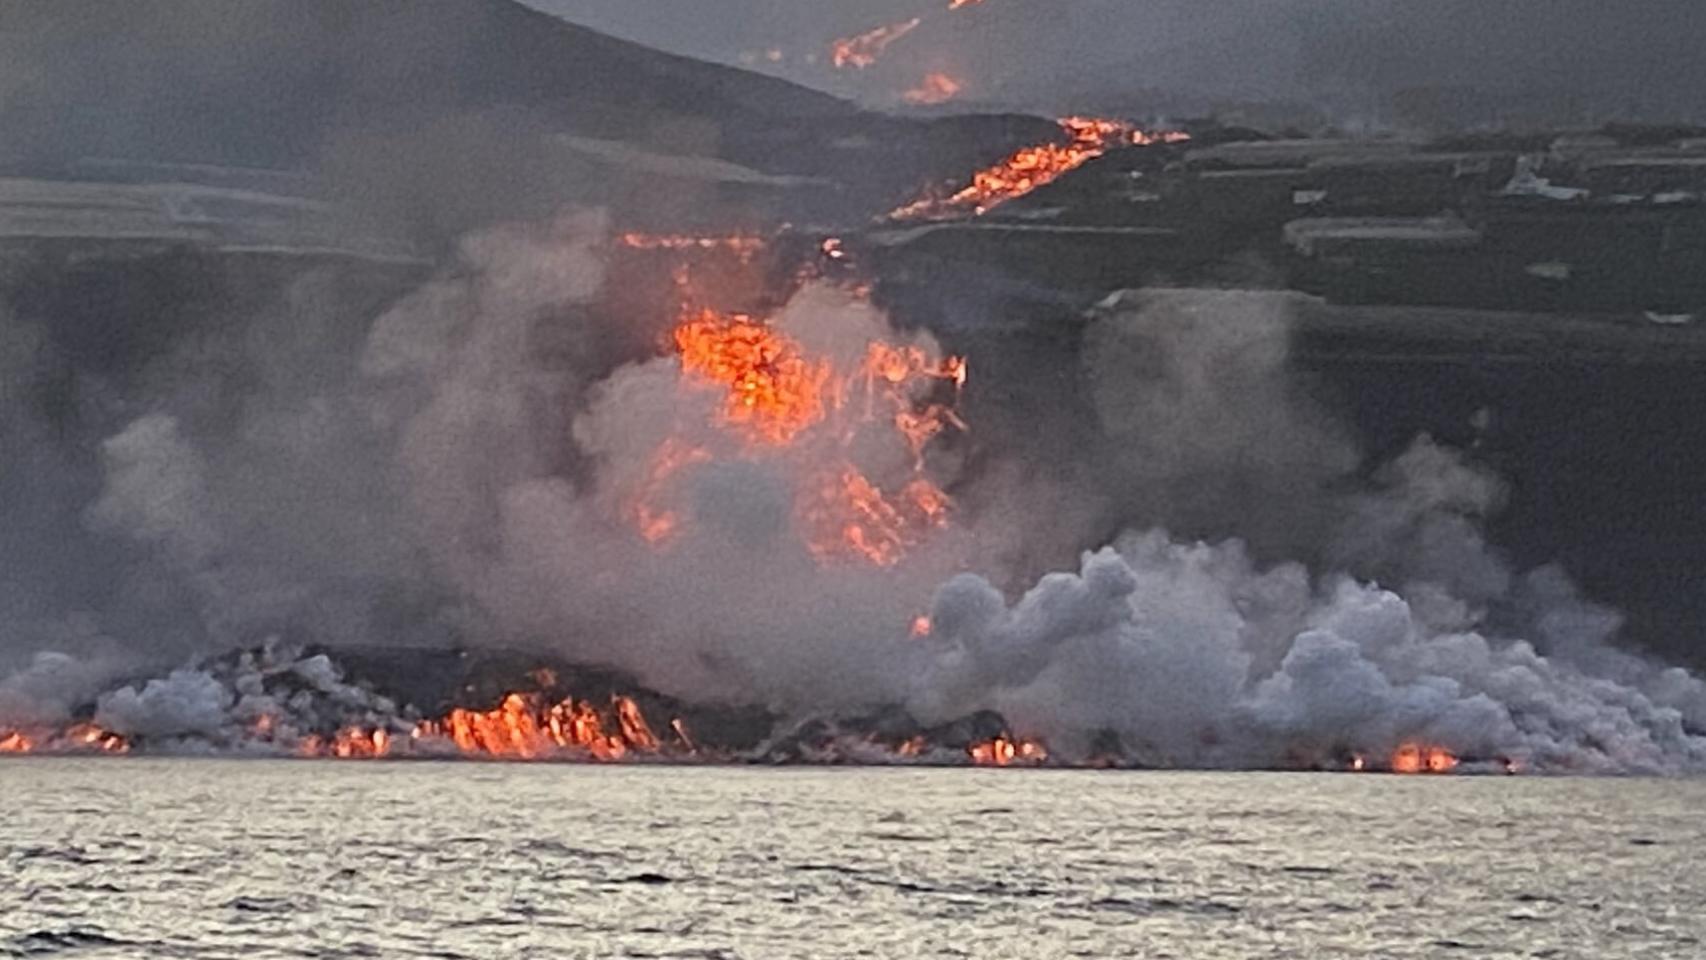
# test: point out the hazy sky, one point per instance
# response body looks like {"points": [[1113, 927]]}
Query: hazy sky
{"points": [[1616, 53], [999, 43]]}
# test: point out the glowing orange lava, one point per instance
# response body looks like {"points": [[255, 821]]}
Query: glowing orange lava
{"points": [[775, 393], [81, 738], [935, 88], [1422, 758], [743, 246], [863, 50], [656, 524], [525, 726], [1005, 751], [1032, 168]]}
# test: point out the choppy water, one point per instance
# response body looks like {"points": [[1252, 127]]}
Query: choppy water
{"points": [[208, 858]]}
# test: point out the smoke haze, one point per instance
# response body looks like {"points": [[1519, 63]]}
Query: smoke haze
{"points": [[448, 460], [1210, 575], [1531, 60]]}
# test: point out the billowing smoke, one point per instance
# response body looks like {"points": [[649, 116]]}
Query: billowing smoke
{"points": [[1193, 654], [736, 606], [465, 469], [263, 700]]}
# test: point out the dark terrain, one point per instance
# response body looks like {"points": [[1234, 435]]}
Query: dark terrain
{"points": [[227, 149]]}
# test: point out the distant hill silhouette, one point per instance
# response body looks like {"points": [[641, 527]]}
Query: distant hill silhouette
{"points": [[408, 101]]}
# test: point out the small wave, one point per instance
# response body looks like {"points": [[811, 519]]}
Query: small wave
{"points": [[264, 905], [74, 855], [94, 887], [828, 868], [1306, 871], [480, 922], [1001, 888], [46, 943], [558, 848], [1151, 905]]}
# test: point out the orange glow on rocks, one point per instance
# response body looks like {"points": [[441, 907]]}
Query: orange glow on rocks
{"points": [[1033, 168], [933, 89], [1422, 758], [774, 391], [778, 396], [81, 738], [525, 726], [863, 50], [1005, 751], [744, 247]]}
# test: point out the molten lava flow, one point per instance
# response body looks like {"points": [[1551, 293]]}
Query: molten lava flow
{"points": [[655, 524], [774, 391], [635, 731], [77, 739], [851, 517], [935, 88], [523, 726], [1004, 751], [913, 747], [362, 744], [863, 50], [526, 726], [743, 246], [1422, 758], [1035, 167], [775, 394], [89, 736]]}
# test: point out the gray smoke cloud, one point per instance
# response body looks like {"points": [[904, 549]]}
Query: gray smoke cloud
{"points": [[450, 460], [736, 608], [1195, 655], [1393, 620], [321, 456]]}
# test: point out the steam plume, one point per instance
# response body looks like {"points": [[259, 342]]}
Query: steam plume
{"points": [[488, 479]]}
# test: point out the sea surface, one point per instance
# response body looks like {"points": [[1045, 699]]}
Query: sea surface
{"points": [[261, 859]]}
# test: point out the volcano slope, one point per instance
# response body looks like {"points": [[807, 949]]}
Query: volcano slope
{"points": [[447, 112]]}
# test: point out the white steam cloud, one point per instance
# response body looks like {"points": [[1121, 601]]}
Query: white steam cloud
{"points": [[482, 483]]}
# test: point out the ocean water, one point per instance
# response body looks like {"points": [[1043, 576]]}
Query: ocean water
{"points": [[260, 859]]}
